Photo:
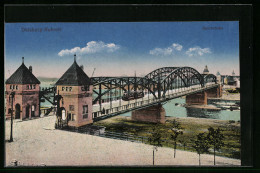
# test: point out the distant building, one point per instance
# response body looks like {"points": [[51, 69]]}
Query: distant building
{"points": [[218, 77], [233, 73], [76, 90], [206, 71], [26, 88]]}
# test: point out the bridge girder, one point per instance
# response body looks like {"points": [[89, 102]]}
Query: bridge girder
{"points": [[161, 79], [210, 78]]}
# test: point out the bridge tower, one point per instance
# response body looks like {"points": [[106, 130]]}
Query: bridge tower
{"points": [[75, 89], [26, 89]]}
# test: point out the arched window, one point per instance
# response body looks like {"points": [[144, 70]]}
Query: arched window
{"points": [[33, 108], [63, 114]]}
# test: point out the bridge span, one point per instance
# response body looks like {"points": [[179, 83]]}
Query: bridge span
{"points": [[117, 107], [80, 100]]}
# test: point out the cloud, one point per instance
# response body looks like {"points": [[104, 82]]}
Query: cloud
{"points": [[197, 51], [90, 48], [166, 51], [177, 46]]}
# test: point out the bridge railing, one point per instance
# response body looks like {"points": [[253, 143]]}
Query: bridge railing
{"points": [[145, 102]]}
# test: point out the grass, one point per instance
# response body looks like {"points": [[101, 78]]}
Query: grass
{"points": [[191, 127]]}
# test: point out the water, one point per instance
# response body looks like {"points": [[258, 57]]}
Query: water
{"points": [[43, 85], [173, 110]]}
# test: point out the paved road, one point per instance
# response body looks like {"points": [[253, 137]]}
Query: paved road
{"points": [[36, 142]]}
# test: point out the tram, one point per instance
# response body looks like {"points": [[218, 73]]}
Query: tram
{"points": [[132, 95]]}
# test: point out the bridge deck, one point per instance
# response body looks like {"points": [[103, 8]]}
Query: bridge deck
{"points": [[117, 107]]}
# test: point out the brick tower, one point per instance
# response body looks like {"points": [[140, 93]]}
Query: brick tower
{"points": [[76, 91], [26, 88]]}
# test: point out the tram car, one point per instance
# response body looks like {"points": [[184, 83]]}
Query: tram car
{"points": [[132, 95]]}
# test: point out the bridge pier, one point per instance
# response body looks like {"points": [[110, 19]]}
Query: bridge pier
{"points": [[201, 98], [215, 92], [153, 114], [197, 99]]}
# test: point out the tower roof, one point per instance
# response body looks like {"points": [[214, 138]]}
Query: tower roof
{"points": [[22, 76], [74, 76], [205, 69]]}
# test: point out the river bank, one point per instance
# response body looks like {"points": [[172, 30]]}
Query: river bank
{"points": [[191, 127]]}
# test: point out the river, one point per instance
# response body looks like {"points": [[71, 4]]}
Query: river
{"points": [[173, 110]]}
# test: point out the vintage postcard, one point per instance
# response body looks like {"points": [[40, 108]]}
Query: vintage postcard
{"points": [[122, 94]]}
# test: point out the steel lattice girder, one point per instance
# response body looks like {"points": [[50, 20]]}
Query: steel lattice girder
{"points": [[161, 78], [210, 78]]}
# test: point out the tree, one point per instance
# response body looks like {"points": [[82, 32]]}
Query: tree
{"points": [[176, 130], [155, 139], [183, 143], [201, 144], [215, 138]]}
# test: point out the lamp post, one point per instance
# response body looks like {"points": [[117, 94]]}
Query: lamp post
{"points": [[57, 98], [11, 96]]}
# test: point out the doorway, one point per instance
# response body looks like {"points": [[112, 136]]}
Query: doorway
{"points": [[17, 111], [27, 111], [33, 111]]}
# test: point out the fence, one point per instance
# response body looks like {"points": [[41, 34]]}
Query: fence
{"points": [[99, 131]]}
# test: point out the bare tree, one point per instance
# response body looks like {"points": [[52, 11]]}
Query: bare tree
{"points": [[176, 130], [215, 138], [155, 139], [201, 144]]}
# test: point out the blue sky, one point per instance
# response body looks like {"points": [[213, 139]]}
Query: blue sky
{"points": [[117, 49]]}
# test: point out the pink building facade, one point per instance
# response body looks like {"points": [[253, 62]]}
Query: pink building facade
{"points": [[26, 89], [76, 91]]}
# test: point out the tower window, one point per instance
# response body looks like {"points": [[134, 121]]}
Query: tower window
{"points": [[17, 87], [62, 88], [33, 86], [85, 111], [71, 107], [85, 88], [72, 117], [27, 86], [70, 88]]}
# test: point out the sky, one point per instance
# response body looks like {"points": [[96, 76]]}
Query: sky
{"points": [[122, 48]]}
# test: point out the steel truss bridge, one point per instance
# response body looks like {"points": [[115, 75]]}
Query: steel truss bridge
{"points": [[159, 86]]}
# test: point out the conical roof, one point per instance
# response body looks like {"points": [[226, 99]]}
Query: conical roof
{"points": [[22, 76], [74, 76]]}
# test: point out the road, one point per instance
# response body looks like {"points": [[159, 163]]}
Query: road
{"points": [[36, 142]]}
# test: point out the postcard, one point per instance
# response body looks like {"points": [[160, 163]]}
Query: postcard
{"points": [[122, 94]]}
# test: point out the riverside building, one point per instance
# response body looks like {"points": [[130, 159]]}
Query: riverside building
{"points": [[26, 88], [75, 89]]}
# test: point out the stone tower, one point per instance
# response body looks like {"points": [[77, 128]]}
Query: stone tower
{"points": [[76, 91], [26, 88]]}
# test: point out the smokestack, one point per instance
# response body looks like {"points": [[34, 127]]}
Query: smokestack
{"points": [[30, 68], [82, 67]]}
